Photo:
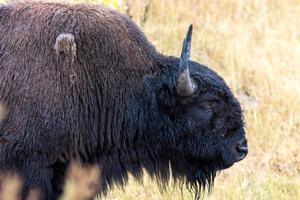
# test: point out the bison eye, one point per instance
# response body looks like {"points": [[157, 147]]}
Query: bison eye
{"points": [[233, 130], [201, 112], [230, 131]]}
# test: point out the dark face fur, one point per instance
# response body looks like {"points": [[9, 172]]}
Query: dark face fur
{"points": [[212, 121], [205, 132]]}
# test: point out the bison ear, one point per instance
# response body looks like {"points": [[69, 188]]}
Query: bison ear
{"points": [[158, 88], [185, 85]]}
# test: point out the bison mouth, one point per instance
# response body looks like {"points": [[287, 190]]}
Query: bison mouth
{"points": [[198, 174]]}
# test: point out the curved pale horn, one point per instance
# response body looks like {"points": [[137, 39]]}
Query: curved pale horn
{"points": [[185, 84]]}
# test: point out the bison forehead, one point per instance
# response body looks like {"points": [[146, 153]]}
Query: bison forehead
{"points": [[208, 79]]}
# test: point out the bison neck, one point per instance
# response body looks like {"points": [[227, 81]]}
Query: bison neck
{"points": [[119, 137], [130, 148]]}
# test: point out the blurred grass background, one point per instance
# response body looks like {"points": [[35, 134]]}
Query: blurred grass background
{"points": [[255, 46]]}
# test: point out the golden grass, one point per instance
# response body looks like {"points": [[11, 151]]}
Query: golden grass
{"points": [[255, 47], [2, 111], [10, 187], [81, 183]]}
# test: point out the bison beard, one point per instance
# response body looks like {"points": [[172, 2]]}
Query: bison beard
{"points": [[82, 83]]}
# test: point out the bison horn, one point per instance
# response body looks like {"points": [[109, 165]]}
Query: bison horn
{"points": [[185, 84]]}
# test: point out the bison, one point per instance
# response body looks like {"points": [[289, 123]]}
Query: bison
{"points": [[82, 82]]}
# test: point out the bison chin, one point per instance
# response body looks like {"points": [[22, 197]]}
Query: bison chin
{"points": [[196, 175]]}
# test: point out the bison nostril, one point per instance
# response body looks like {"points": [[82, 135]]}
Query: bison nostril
{"points": [[242, 147]]}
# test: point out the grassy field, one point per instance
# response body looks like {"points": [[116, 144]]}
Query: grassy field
{"points": [[255, 47]]}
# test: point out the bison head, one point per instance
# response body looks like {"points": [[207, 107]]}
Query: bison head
{"points": [[201, 122]]}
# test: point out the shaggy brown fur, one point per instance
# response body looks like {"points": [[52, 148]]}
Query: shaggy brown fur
{"points": [[81, 82]]}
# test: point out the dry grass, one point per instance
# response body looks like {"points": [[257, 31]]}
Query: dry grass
{"points": [[81, 183], [255, 47], [2, 111], [10, 187]]}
